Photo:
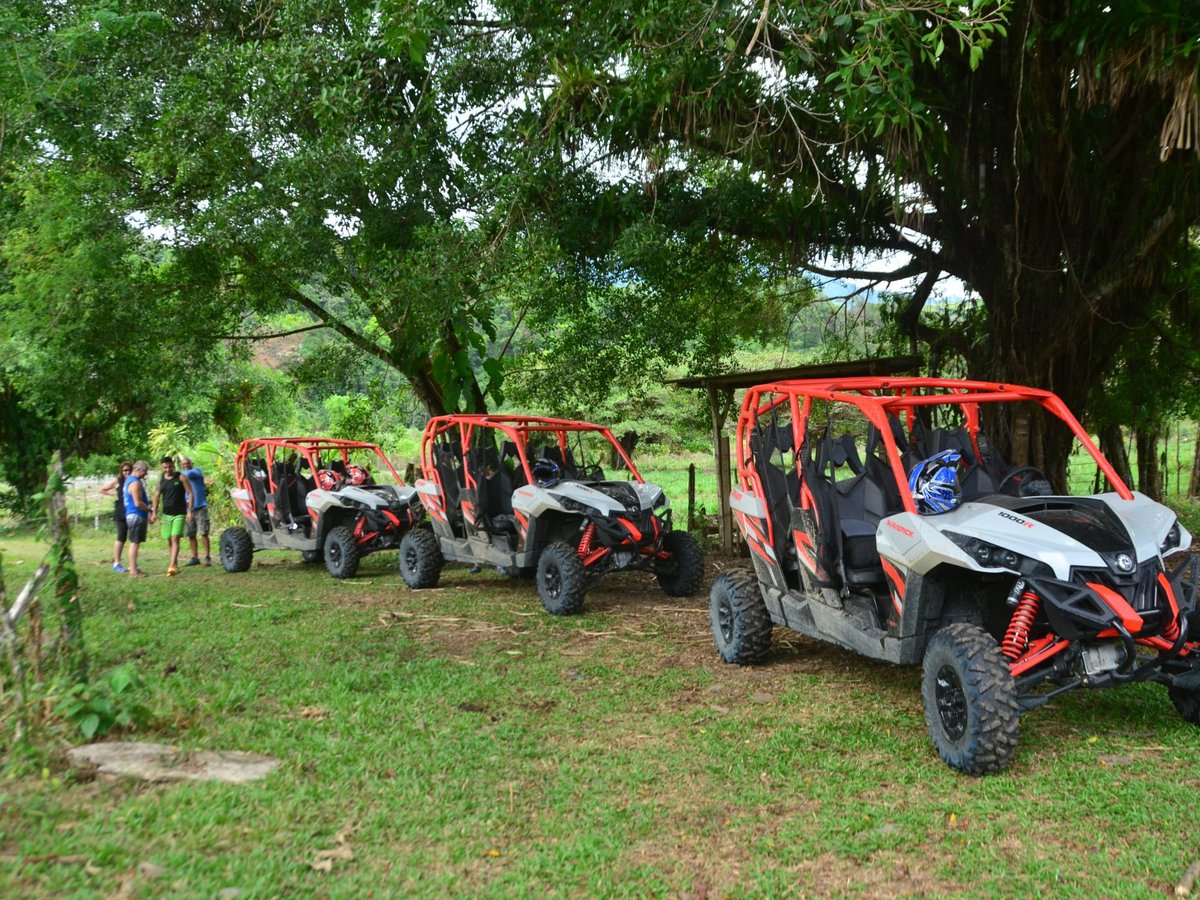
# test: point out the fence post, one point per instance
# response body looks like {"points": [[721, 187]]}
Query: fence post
{"points": [[691, 497], [724, 485]]}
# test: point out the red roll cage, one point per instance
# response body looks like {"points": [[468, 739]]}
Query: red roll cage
{"points": [[876, 398], [516, 429], [310, 447]]}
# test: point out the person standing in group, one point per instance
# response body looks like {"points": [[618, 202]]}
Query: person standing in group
{"points": [[137, 509], [114, 488], [174, 493], [198, 523]]}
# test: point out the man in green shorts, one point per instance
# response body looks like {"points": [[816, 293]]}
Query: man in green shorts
{"points": [[175, 495]]}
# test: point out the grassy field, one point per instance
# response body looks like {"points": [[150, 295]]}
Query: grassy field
{"points": [[460, 741]]}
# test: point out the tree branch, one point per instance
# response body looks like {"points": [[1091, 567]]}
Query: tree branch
{"points": [[910, 269], [266, 337], [320, 312], [332, 321]]}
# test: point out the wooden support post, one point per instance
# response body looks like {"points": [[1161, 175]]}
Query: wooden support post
{"points": [[691, 526], [724, 482], [725, 486]]}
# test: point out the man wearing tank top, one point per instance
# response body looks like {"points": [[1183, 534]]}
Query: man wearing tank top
{"points": [[175, 495], [137, 509]]}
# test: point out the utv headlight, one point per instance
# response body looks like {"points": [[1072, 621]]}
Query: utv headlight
{"points": [[660, 501], [1173, 538], [994, 557], [575, 506]]}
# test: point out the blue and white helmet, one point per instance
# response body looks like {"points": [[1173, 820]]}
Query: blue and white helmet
{"points": [[934, 483], [546, 472]]}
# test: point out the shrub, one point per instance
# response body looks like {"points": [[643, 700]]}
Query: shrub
{"points": [[113, 701]]}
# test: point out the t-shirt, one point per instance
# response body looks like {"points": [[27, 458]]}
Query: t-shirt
{"points": [[196, 477], [174, 499]]}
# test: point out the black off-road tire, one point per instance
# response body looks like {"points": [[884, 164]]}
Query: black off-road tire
{"points": [[341, 552], [560, 579], [741, 625], [1187, 703], [313, 557], [236, 549], [683, 573], [970, 700], [421, 559]]}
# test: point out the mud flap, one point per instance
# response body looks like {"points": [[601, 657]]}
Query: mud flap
{"points": [[1184, 582]]}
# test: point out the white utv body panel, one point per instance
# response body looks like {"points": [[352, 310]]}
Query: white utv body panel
{"points": [[919, 543], [379, 496], [426, 487], [533, 500]]}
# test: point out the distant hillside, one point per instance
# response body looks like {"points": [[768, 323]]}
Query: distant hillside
{"points": [[275, 353]]}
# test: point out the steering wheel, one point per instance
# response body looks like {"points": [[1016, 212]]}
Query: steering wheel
{"points": [[1023, 484], [590, 473]]}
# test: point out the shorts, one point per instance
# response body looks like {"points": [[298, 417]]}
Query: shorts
{"points": [[172, 526], [135, 527], [198, 523], [122, 529]]}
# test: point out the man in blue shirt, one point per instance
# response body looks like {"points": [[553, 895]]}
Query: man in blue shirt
{"points": [[137, 510], [198, 524]]}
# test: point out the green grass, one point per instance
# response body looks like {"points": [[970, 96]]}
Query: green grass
{"points": [[463, 742], [670, 472]]}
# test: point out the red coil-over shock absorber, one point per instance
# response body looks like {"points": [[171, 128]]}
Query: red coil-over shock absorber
{"points": [[1016, 638], [585, 540]]}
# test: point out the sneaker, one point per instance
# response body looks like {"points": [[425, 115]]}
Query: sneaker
{"points": [[194, 561], [171, 570], [208, 560], [474, 570], [117, 567]]}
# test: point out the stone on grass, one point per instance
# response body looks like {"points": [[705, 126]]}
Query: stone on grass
{"points": [[162, 762]]}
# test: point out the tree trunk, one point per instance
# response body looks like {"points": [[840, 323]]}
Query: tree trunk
{"points": [[428, 391], [1063, 263], [1149, 480], [70, 649], [1112, 445]]}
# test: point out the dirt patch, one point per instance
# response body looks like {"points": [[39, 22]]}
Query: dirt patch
{"points": [[456, 637], [882, 875]]}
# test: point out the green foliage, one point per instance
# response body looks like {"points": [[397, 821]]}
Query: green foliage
{"points": [[89, 325], [489, 204], [217, 459], [897, 132], [1188, 512], [167, 439], [113, 702], [307, 162], [1156, 378]]}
